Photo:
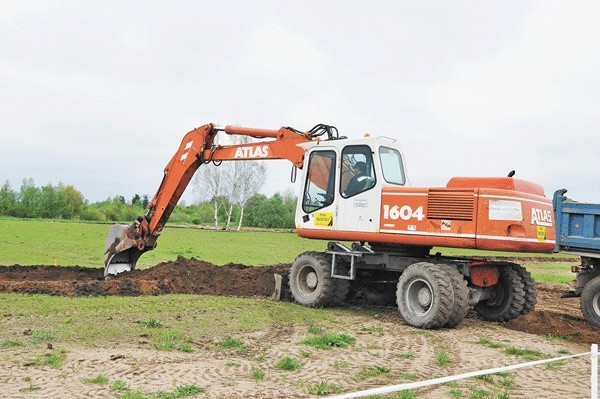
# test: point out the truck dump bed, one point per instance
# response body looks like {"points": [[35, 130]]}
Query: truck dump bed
{"points": [[577, 226]]}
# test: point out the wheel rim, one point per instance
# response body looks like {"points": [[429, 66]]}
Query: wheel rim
{"points": [[419, 297], [596, 303], [308, 280]]}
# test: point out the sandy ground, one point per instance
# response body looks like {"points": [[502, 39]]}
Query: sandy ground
{"points": [[407, 353], [228, 374]]}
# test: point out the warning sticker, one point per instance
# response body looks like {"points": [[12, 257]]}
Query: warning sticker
{"points": [[541, 233], [505, 210], [324, 219]]}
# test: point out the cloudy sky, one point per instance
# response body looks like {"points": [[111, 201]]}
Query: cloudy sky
{"points": [[99, 94]]}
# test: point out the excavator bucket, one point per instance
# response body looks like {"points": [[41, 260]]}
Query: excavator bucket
{"points": [[120, 252]]}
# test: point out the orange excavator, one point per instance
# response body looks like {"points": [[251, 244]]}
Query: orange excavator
{"points": [[356, 190]]}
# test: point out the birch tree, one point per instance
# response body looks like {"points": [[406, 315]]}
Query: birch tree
{"points": [[209, 185]]}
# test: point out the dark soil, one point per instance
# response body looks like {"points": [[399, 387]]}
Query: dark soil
{"points": [[183, 276], [553, 316]]}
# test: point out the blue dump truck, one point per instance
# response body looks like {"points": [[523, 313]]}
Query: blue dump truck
{"points": [[578, 233]]}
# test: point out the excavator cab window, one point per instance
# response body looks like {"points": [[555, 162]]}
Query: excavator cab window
{"points": [[391, 165], [358, 174], [320, 183]]}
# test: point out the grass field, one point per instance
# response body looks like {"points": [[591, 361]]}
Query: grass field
{"points": [[46, 242]]}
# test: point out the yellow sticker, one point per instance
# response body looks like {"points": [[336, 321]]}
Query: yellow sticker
{"points": [[324, 219], [541, 233]]}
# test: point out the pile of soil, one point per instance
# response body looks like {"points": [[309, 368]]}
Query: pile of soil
{"points": [[183, 276]]}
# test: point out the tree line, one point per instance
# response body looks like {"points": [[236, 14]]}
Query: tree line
{"points": [[66, 202]]}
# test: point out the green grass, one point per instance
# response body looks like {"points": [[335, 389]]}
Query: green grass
{"points": [[288, 364], [12, 343], [179, 392], [233, 344], [486, 342], [527, 354], [97, 320], [371, 372], [407, 394], [330, 340], [323, 388], [555, 273], [99, 379], [119, 385], [151, 323], [69, 243], [55, 359], [442, 357], [258, 374]]}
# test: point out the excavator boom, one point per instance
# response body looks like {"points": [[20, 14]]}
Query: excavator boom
{"points": [[126, 243]]}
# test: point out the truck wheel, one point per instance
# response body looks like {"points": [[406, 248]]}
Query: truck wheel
{"points": [[379, 293], [590, 302], [425, 296], [508, 301], [461, 296], [311, 282], [528, 286]]}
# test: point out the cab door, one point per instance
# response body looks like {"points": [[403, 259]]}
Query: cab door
{"points": [[358, 190], [317, 206]]}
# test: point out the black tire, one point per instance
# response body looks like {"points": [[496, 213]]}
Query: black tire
{"points": [[528, 286], [425, 297], [509, 299], [311, 282], [590, 301], [461, 296]]}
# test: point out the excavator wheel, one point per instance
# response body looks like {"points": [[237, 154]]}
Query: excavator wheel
{"points": [[311, 282], [529, 287], [425, 296], [509, 298], [461, 296]]}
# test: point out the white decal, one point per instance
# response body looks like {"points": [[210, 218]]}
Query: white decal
{"points": [[541, 217], [412, 227], [360, 203], [446, 224], [189, 145], [252, 152], [404, 213], [505, 210]]}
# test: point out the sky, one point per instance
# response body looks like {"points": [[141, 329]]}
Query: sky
{"points": [[99, 94]]}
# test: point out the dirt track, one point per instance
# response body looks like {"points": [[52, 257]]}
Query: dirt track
{"points": [[552, 316]]}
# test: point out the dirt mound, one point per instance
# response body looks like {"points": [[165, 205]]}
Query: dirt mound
{"points": [[555, 325], [183, 276]]}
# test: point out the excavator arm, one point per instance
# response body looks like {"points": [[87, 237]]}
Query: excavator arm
{"points": [[126, 243]]}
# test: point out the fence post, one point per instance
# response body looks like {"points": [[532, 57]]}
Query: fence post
{"points": [[594, 376]]}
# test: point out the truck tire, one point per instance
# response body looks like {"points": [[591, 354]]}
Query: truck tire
{"points": [[461, 296], [425, 297], [590, 301], [311, 282], [528, 286], [509, 299]]}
